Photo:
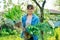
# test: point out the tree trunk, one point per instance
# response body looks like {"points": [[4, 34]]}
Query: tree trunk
{"points": [[42, 15], [41, 9], [42, 18]]}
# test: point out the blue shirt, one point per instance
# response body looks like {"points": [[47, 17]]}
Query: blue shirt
{"points": [[35, 20]]}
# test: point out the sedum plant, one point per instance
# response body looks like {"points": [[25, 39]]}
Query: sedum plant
{"points": [[14, 13]]}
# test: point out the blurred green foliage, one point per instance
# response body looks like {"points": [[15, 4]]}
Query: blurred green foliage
{"points": [[48, 31], [10, 37], [14, 13], [7, 30], [8, 20]]}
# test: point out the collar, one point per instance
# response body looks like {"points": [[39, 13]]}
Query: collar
{"points": [[32, 15]]}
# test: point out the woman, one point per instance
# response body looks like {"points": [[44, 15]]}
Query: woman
{"points": [[30, 19]]}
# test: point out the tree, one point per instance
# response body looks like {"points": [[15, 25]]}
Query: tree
{"points": [[42, 12], [41, 8]]}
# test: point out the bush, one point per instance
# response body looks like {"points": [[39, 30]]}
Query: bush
{"points": [[14, 13], [7, 30], [44, 27]]}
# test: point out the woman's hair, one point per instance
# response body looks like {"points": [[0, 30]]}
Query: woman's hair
{"points": [[30, 7]]}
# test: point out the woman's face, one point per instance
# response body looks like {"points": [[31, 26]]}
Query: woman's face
{"points": [[30, 11]]}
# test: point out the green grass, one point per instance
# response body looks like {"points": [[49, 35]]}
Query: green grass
{"points": [[10, 37]]}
